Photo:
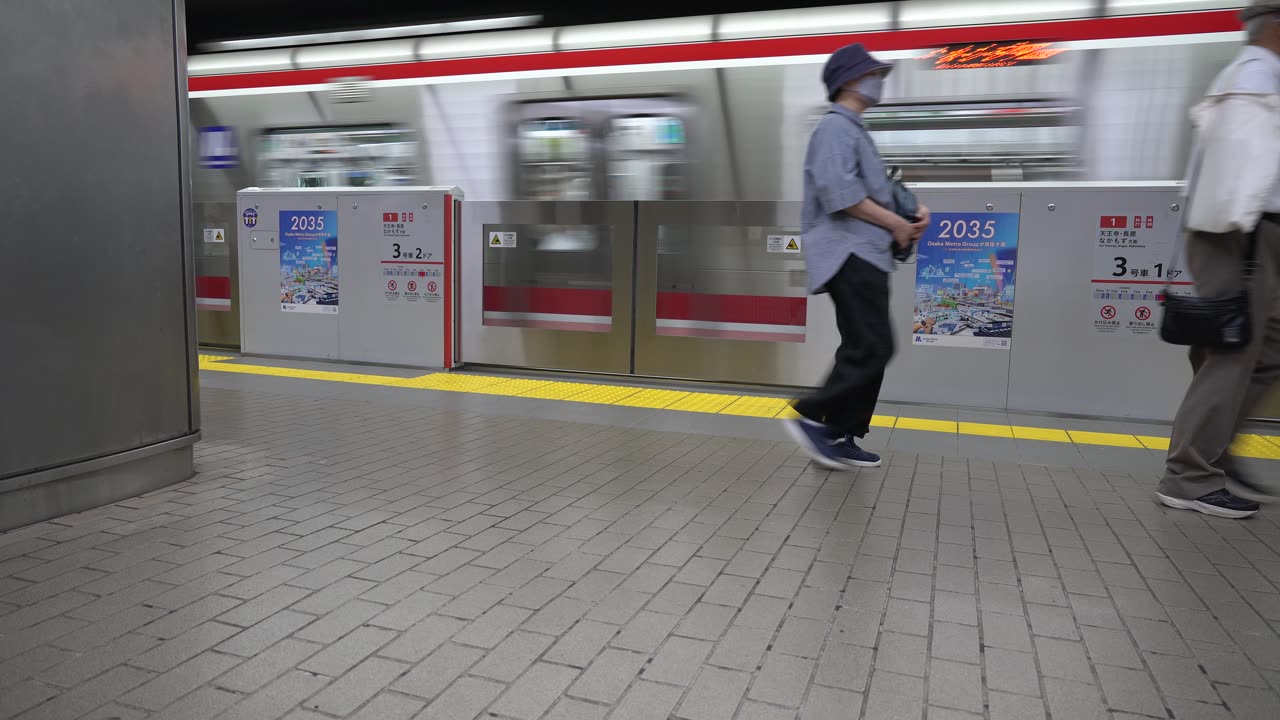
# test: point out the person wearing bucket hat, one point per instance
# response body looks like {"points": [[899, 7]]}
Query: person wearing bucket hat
{"points": [[848, 233], [1233, 210], [1258, 9], [850, 63]]}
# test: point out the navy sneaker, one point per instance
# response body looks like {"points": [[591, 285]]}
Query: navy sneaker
{"points": [[812, 438], [1248, 488], [847, 450], [1219, 503]]}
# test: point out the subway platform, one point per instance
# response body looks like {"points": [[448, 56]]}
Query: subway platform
{"points": [[380, 544]]}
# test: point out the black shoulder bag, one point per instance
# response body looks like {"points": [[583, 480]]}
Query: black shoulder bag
{"points": [[1216, 322], [907, 207]]}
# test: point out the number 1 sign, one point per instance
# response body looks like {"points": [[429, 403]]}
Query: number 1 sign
{"points": [[1130, 272]]}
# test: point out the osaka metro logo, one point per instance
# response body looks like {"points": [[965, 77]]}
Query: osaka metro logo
{"points": [[250, 217]]}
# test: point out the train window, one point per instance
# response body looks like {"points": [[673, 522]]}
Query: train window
{"points": [[351, 156], [645, 155], [555, 159], [623, 148], [978, 142]]}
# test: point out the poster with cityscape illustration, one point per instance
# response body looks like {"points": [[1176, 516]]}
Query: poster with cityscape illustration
{"points": [[309, 261], [965, 268]]}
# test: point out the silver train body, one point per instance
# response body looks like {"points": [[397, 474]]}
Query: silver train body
{"points": [[735, 129], [718, 119]]}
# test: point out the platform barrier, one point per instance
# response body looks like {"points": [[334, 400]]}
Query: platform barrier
{"points": [[357, 274], [1023, 296]]}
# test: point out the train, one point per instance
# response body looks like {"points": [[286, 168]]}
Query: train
{"points": [[706, 108]]}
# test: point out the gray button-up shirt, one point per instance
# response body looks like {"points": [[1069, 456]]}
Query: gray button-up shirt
{"points": [[841, 168]]}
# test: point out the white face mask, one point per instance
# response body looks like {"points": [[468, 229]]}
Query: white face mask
{"points": [[870, 88]]}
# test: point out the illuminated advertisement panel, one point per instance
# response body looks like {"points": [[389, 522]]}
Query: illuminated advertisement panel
{"points": [[1009, 53]]}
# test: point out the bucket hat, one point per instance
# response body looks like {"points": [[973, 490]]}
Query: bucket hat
{"points": [[850, 63]]}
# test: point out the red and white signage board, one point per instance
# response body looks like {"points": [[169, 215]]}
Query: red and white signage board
{"points": [[1132, 265], [409, 261]]}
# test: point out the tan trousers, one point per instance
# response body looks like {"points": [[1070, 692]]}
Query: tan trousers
{"points": [[1228, 384]]}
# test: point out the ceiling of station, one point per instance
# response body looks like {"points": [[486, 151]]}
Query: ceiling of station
{"points": [[213, 20]]}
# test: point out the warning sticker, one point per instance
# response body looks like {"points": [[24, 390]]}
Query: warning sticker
{"points": [[215, 235], [413, 283], [783, 244], [502, 240]]}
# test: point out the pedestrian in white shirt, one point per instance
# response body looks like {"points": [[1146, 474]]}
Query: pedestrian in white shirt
{"points": [[1235, 198]]}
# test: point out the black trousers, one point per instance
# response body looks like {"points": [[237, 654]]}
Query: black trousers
{"points": [[846, 401]]}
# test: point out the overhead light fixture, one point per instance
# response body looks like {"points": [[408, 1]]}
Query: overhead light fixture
{"points": [[387, 33]]}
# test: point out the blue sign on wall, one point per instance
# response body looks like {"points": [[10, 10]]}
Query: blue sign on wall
{"points": [[218, 147], [965, 268], [309, 261]]}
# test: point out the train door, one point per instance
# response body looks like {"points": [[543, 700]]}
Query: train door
{"points": [[557, 277]]}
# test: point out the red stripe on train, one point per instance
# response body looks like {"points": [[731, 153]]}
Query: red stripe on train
{"points": [[728, 334], [214, 287], [1190, 23], [548, 301], [750, 309]]}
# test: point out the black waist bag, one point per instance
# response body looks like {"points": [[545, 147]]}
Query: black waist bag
{"points": [[1216, 322]]}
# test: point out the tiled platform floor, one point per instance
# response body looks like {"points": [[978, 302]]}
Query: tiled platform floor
{"points": [[347, 552]]}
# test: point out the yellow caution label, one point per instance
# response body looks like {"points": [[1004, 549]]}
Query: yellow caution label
{"points": [[783, 244], [218, 236], [496, 240]]}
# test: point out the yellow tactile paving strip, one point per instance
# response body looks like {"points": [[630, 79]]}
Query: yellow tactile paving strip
{"points": [[653, 399], [754, 406], [1254, 446]]}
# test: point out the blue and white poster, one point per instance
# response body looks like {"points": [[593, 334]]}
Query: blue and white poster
{"points": [[309, 261], [965, 268], [218, 147]]}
